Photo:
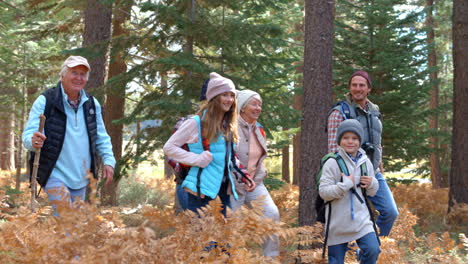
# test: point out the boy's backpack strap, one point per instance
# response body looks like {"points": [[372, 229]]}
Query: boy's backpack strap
{"points": [[369, 204], [364, 171], [327, 228], [342, 164]]}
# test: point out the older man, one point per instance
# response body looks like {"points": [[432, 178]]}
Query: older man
{"points": [[74, 134], [357, 106]]}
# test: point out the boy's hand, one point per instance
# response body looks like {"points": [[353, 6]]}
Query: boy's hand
{"points": [[366, 181], [350, 177]]}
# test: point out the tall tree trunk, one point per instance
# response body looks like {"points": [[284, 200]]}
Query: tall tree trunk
{"points": [[318, 50], [115, 95], [285, 163], [446, 129], [19, 143], [434, 102], [459, 170], [298, 100], [7, 139], [188, 49], [96, 36], [168, 171]]}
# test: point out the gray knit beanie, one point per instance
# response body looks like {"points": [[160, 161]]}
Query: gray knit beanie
{"points": [[244, 96], [350, 125], [218, 85]]}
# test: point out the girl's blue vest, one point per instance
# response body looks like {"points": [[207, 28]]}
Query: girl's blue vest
{"points": [[212, 175]]}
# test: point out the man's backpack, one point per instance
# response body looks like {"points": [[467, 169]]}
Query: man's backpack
{"points": [[320, 204]]}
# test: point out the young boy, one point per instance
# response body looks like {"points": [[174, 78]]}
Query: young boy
{"points": [[350, 219]]}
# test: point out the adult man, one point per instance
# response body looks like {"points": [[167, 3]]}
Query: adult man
{"points": [[74, 134], [358, 106]]}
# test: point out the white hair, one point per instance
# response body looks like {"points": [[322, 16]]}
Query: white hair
{"points": [[65, 69]]}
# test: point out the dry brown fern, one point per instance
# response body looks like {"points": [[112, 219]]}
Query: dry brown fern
{"points": [[429, 204]]}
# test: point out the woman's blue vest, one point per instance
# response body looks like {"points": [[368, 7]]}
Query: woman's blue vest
{"points": [[212, 175]]}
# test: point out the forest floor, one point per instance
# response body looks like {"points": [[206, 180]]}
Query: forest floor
{"points": [[144, 229]]}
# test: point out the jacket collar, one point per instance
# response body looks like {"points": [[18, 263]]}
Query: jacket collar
{"points": [[369, 105], [348, 159], [244, 123]]}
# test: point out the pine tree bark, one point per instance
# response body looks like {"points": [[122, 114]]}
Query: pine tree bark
{"points": [[168, 171], [434, 101], [459, 168], [318, 51], [7, 140], [285, 176], [298, 100], [115, 94], [96, 37]]}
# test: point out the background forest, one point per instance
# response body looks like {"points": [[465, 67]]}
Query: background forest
{"points": [[149, 60]]}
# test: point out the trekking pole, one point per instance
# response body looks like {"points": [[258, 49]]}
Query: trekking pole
{"points": [[35, 167]]}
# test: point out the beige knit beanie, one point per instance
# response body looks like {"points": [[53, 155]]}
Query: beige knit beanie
{"points": [[218, 85], [244, 96]]}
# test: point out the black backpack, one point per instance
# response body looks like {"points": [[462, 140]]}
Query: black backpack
{"points": [[319, 202]]}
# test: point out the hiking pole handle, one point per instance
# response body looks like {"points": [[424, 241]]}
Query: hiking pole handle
{"points": [[36, 166]]}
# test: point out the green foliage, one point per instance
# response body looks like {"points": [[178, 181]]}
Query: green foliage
{"points": [[390, 45], [273, 183], [247, 41], [133, 193]]}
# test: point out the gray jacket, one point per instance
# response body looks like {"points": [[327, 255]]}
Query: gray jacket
{"points": [[342, 227], [370, 120]]}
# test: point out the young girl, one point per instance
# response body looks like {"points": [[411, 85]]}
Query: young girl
{"points": [[350, 219], [208, 135]]}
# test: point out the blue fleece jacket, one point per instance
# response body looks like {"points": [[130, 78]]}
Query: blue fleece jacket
{"points": [[74, 159]]}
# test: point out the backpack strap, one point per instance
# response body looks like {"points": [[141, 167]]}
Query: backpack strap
{"points": [[234, 164], [342, 165], [327, 229], [368, 202], [346, 110], [344, 169]]}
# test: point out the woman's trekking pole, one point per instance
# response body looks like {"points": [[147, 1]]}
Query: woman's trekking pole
{"points": [[35, 167]]}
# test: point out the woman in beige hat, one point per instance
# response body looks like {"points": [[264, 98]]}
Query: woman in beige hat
{"points": [[251, 151]]}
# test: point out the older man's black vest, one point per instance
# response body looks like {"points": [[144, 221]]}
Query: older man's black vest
{"points": [[55, 129]]}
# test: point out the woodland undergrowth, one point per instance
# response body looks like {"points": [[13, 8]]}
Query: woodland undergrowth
{"points": [[90, 233]]}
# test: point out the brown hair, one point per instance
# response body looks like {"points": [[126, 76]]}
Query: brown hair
{"points": [[216, 121]]}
